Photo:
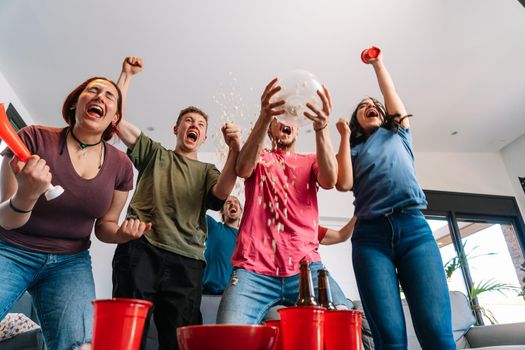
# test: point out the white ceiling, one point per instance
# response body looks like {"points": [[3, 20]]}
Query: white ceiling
{"points": [[458, 64]]}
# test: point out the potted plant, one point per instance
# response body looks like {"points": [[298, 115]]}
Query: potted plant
{"points": [[483, 286]]}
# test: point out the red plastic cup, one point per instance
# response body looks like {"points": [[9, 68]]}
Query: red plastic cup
{"points": [[369, 53], [119, 323], [277, 324], [227, 337], [302, 327], [342, 330]]}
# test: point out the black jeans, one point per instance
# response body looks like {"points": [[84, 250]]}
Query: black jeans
{"points": [[171, 281]]}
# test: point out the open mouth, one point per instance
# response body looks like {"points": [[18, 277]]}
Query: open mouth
{"points": [[371, 113], [286, 130], [95, 109], [192, 135], [233, 211]]}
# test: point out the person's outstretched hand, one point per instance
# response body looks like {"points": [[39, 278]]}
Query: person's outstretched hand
{"points": [[270, 109], [321, 116], [132, 65]]}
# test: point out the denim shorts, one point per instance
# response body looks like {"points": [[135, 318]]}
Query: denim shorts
{"points": [[249, 295]]}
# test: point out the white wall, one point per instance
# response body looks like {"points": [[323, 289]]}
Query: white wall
{"points": [[463, 172], [335, 209], [7, 95], [514, 159]]}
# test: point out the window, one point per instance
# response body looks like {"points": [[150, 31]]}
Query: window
{"points": [[481, 242], [16, 121], [15, 118]]}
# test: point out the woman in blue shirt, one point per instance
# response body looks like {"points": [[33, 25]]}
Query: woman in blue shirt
{"points": [[392, 243]]}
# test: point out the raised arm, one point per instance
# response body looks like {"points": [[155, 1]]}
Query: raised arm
{"points": [[345, 173], [393, 102], [21, 186], [253, 146], [107, 229], [226, 182], [342, 235], [126, 131], [327, 176]]}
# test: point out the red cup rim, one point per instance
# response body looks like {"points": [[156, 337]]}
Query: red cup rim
{"points": [[124, 300], [365, 51], [363, 56], [225, 326], [343, 311], [271, 321], [316, 308], [375, 50]]}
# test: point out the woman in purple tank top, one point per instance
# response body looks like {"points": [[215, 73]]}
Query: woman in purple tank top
{"points": [[44, 244]]}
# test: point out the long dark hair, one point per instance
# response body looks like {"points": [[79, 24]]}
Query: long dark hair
{"points": [[390, 121], [68, 113]]}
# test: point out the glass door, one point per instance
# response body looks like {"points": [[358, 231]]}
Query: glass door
{"points": [[493, 258], [451, 263], [483, 261]]}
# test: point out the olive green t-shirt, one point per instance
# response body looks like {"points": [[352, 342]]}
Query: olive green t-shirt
{"points": [[173, 193]]}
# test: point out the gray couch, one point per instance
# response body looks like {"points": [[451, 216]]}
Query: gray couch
{"points": [[466, 334], [31, 340]]}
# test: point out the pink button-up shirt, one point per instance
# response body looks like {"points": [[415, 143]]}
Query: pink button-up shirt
{"points": [[279, 224]]}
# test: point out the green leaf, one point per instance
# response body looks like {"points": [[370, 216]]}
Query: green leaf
{"points": [[491, 285]]}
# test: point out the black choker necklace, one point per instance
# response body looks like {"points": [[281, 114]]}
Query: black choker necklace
{"points": [[83, 145]]}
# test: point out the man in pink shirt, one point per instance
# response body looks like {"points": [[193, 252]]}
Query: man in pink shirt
{"points": [[280, 223]]}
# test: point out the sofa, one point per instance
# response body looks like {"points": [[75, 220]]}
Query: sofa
{"points": [[30, 340], [466, 334]]}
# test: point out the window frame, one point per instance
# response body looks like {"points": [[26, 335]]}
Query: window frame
{"points": [[457, 206]]}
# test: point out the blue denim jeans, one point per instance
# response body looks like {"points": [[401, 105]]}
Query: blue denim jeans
{"points": [[400, 249], [62, 288], [249, 295]]}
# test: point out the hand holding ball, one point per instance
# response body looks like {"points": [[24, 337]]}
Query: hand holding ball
{"points": [[298, 87]]}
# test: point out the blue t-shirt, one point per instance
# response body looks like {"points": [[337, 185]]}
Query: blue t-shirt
{"points": [[218, 252], [384, 174]]}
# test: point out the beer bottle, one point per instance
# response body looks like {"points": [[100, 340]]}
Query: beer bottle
{"points": [[323, 290], [306, 287]]}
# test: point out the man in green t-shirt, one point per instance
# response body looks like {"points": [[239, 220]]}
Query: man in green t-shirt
{"points": [[174, 190]]}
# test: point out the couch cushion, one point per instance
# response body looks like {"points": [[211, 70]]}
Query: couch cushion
{"points": [[14, 324], [502, 347], [209, 307], [462, 317], [462, 320], [497, 335]]}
